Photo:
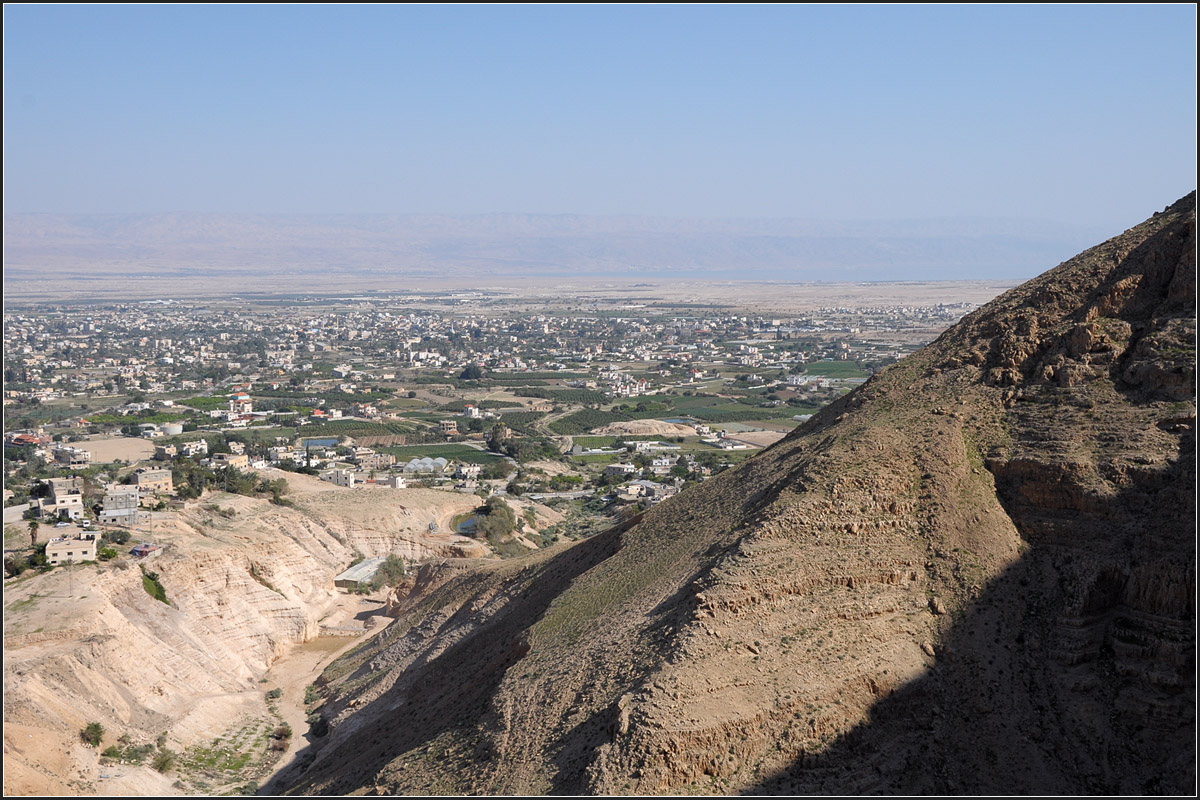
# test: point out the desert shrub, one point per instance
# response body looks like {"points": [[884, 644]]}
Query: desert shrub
{"points": [[126, 750], [92, 733], [153, 587], [275, 694], [390, 572], [163, 760]]}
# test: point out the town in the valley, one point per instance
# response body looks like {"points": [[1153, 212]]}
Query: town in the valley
{"points": [[597, 405]]}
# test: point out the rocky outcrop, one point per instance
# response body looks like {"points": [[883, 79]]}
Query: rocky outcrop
{"points": [[975, 574]]}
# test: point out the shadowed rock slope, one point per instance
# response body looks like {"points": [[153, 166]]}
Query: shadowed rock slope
{"points": [[974, 574]]}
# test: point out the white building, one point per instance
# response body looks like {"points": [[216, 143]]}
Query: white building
{"points": [[60, 551], [339, 477]]}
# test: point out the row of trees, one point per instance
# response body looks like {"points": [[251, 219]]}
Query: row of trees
{"points": [[191, 479]]}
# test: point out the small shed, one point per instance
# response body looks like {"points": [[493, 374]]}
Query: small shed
{"points": [[362, 572]]}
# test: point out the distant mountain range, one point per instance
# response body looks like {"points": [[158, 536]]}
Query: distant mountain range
{"points": [[496, 246]]}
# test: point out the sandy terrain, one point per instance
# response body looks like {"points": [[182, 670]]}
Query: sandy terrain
{"points": [[759, 438], [247, 581], [763, 297], [300, 667], [645, 427], [551, 467], [124, 448]]}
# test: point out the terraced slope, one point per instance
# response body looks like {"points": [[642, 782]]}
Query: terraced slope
{"points": [[974, 574]]}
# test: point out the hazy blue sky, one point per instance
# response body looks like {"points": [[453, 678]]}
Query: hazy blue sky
{"points": [[1080, 114]]}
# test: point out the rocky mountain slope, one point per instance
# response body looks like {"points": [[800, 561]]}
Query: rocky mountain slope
{"points": [[975, 574]]}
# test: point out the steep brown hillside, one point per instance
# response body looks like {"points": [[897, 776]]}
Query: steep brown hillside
{"points": [[974, 574]]}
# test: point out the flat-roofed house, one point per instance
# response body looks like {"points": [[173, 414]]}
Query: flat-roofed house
{"points": [[60, 551], [74, 457], [235, 460], [153, 480], [120, 506], [65, 499]]}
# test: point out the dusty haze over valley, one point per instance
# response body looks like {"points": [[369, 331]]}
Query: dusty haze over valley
{"points": [[124, 255]]}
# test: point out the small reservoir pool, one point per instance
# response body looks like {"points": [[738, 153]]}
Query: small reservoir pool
{"points": [[466, 525]]}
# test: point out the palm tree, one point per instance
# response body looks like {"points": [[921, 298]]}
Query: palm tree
{"points": [[33, 526]]}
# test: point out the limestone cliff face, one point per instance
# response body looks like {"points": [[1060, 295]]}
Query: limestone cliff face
{"points": [[246, 581], [107, 651], [974, 574]]}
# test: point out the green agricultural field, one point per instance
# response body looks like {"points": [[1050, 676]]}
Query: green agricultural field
{"points": [[599, 458], [457, 406], [425, 416], [409, 403], [264, 434], [450, 452], [588, 442], [583, 421], [205, 403], [578, 396], [520, 421], [741, 413], [686, 403], [837, 369], [135, 419], [328, 397], [521, 378], [352, 427]]}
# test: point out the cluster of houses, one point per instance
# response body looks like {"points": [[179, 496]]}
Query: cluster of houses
{"points": [[746, 356], [660, 466], [64, 502], [194, 449], [646, 489], [817, 381], [345, 476], [620, 384], [424, 467], [61, 454], [64, 498]]}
